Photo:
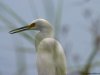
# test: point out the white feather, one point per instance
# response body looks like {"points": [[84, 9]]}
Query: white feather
{"points": [[50, 58]]}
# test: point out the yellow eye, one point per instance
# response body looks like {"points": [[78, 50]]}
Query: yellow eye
{"points": [[33, 25]]}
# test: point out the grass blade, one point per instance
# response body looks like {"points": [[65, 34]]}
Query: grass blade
{"points": [[12, 13], [49, 9], [58, 16], [33, 8], [10, 25]]}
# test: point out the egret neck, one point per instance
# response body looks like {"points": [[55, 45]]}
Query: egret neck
{"points": [[42, 34]]}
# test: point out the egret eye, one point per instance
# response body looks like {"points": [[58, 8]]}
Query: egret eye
{"points": [[32, 25]]}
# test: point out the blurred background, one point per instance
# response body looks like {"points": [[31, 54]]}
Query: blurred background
{"points": [[77, 27]]}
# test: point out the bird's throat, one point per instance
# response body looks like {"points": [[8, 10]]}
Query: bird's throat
{"points": [[40, 36]]}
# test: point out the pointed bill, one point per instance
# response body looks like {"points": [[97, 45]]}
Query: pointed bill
{"points": [[19, 30], [28, 27]]}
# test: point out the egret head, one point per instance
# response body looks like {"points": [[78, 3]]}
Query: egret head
{"points": [[38, 24]]}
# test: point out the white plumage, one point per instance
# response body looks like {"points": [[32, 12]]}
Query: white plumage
{"points": [[50, 58], [50, 54]]}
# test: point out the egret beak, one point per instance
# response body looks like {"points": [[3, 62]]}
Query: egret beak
{"points": [[22, 28]]}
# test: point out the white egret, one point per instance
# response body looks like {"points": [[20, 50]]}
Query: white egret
{"points": [[50, 54]]}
